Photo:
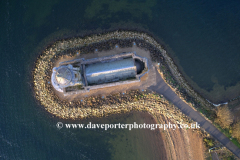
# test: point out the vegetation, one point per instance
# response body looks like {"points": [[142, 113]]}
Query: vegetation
{"points": [[228, 132], [236, 131], [209, 142], [224, 117]]}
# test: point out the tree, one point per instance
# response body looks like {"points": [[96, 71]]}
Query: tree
{"points": [[224, 117], [209, 142], [236, 130]]}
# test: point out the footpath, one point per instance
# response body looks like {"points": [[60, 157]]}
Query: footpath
{"points": [[162, 88]]}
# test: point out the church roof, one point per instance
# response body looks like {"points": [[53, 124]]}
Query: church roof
{"points": [[111, 71]]}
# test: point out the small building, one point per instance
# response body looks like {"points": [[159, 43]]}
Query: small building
{"points": [[80, 75]]}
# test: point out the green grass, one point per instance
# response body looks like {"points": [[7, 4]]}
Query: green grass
{"points": [[229, 135], [235, 141], [207, 113]]}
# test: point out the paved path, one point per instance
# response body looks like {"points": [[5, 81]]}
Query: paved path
{"points": [[162, 88]]}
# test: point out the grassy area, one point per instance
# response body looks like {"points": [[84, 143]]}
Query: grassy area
{"points": [[227, 133], [235, 141], [207, 113]]}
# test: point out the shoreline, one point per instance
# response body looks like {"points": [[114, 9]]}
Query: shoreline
{"points": [[118, 103], [105, 42]]}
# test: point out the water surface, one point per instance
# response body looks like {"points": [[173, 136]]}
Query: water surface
{"points": [[202, 36]]}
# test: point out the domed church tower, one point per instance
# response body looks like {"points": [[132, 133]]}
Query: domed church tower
{"points": [[66, 76]]}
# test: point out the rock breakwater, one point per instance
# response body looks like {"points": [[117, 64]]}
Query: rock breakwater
{"points": [[98, 106]]}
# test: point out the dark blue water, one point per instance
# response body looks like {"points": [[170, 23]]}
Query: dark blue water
{"points": [[203, 36]]}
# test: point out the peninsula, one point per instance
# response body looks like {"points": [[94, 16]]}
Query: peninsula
{"points": [[68, 81], [69, 72]]}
